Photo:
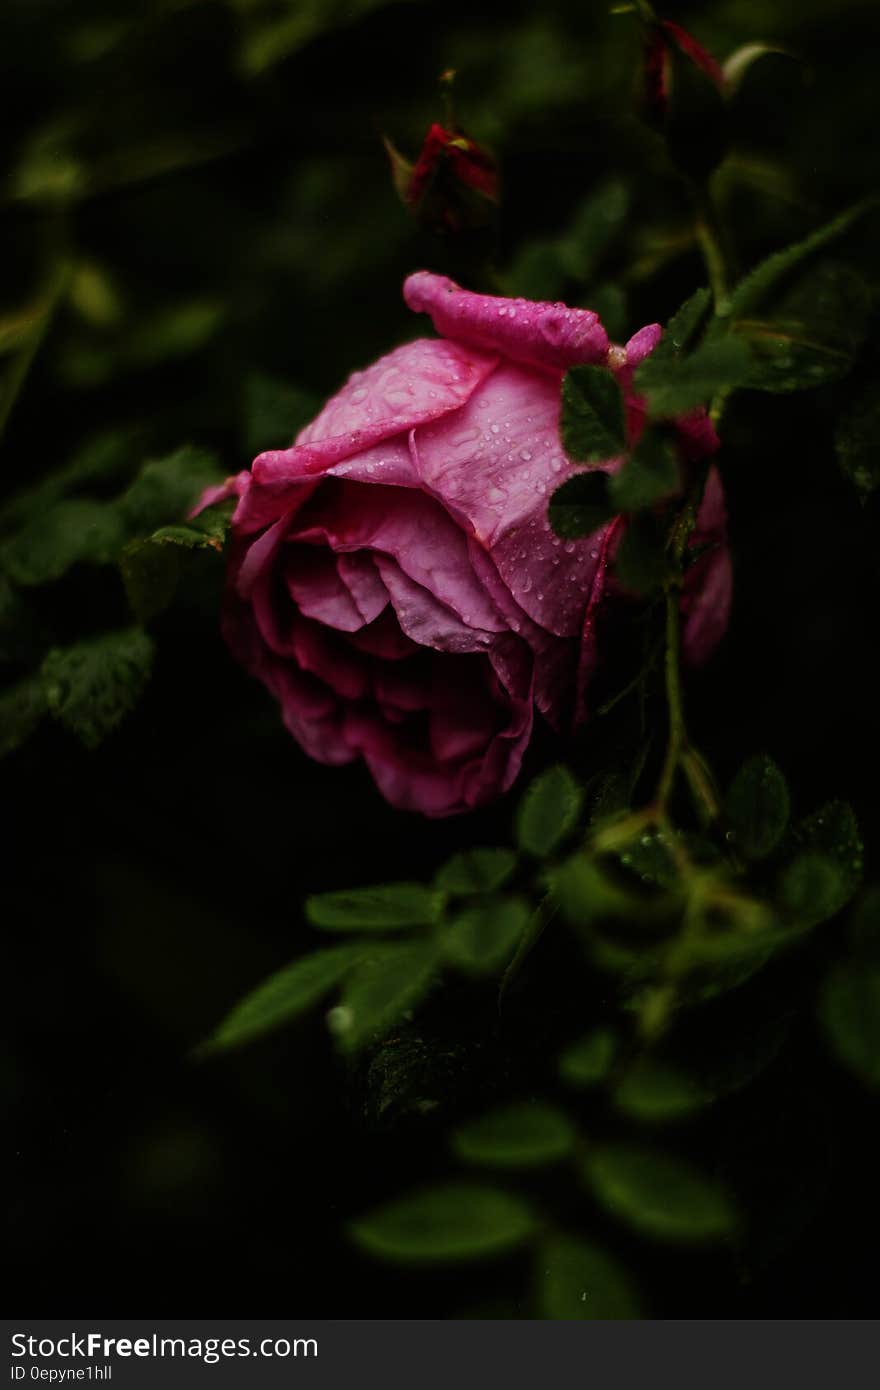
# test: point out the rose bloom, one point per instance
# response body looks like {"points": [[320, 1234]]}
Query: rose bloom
{"points": [[393, 579]]}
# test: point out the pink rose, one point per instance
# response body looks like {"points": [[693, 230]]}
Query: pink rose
{"points": [[393, 578]]}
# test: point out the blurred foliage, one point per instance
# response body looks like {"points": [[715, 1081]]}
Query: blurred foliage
{"points": [[201, 239]]}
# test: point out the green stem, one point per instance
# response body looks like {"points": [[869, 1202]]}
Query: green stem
{"points": [[540, 919], [674, 698], [711, 242], [22, 363], [680, 754]]}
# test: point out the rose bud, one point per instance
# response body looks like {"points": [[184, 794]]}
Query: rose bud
{"points": [[684, 89], [452, 184], [393, 579]]}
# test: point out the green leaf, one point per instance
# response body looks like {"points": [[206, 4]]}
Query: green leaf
{"points": [[285, 995], [580, 506], [21, 709], [585, 893], [849, 1009], [167, 488], [681, 330], [640, 560], [577, 1279], [742, 62], [387, 983], [274, 412], [758, 806], [654, 1090], [522, 1135], [476, 871], [812, 889], [91, 686], [588, 1061], [592, 418], [446, 1224], [751, 291], [67, 533], [386, 907], [857, 441], [658, 1193], [151, 567], [548, 812], [811, 336], [652, 857], [649, 475], [674, 385], [481, 939]]}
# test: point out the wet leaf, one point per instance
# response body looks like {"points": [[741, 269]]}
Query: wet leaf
{"points": [[384, 986], [758, 807], [581, 505], [284, 996], [592, 421], [91, 686]]}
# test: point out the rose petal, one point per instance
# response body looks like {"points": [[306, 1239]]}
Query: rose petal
{"points": [[417, 382], [414, 781], [383, 638], [642, 344], [316, 587], [553, 659], [359, 574], [425, 620], [414, 530], [496, 468], [707, 592], [548, 335]]}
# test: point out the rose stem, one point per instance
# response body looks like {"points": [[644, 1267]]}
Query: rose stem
{"points": [[22, 363]]}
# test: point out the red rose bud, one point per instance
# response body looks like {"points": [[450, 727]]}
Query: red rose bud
{"points": [[684, 91], [450, 183]]}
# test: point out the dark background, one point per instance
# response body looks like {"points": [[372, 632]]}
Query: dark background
{"points": [[228, 157]]}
